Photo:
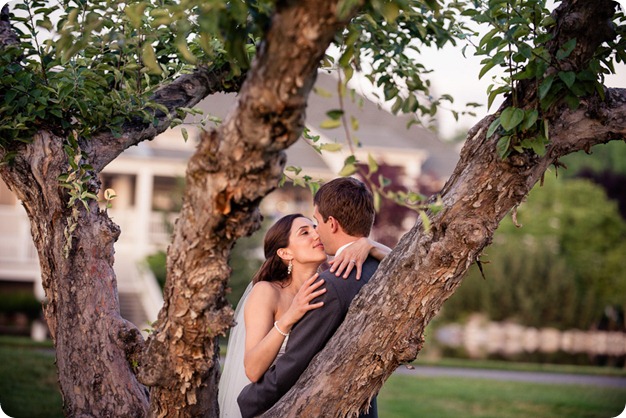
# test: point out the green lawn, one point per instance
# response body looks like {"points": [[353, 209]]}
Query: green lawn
{"points": [[443, 397], [28, 382], [28, 389]]}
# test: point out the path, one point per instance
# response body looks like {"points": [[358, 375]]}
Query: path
{"points": [[516, 376]]}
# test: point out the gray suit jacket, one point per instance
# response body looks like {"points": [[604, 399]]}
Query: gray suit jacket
{"points": [[307, 338]]}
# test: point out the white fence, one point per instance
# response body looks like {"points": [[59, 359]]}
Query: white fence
{"points": [[479, 337]]}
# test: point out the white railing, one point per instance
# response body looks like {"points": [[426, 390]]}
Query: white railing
{"points": [[16, 242], [150, 293], [139, 237], [155, 231], [161, 226]]}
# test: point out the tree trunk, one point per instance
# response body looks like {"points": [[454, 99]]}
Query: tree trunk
{"points": [[81, 306], [234, 167], [426, 267]]}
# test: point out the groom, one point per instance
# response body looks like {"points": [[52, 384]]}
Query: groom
{"points": [[344, 211]]}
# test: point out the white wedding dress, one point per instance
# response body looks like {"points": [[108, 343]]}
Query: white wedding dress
{"points": [[234, 377]]}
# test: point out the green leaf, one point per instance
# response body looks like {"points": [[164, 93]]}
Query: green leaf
{"points": [[298, 182], [546, 129], [511, 117], [377, 201], [293, 168], [495, 93], [410, 104], [330, 124], [314, 186], [335, 114], [149, 59], [355, 123], [566, 49], [347, 170], [488, 36], [371, 163], [322, 92], [425, 220], [347, 56], [184, 51], [10, 95], [539, 145], [331, 147], [344, 7], [572, 101], [493, 127], [529, 71], [397, 105], [390, 11], [568, 77], [135, 13], [530, 119], [390, 92], [503, 146], [488, 66], [545, 86]]}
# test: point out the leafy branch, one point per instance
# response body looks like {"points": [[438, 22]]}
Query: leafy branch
{"points": [[518, 42], [77, 181]]}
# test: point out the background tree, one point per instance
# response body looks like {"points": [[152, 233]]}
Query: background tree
{"points": [[607, 168], [559, 267], [120, 74]]}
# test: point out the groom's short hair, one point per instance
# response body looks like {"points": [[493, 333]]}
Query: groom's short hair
{"points": [[350, 202]]}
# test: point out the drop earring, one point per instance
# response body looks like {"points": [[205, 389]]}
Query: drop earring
{"points": [[289, 267]]}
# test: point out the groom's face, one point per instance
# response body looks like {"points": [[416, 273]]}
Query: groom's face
{"points": [[323, 230]]}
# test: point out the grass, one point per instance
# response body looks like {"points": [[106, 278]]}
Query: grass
{"points": [[409, 396], [28, 389], [522, 367], [28, 382]]}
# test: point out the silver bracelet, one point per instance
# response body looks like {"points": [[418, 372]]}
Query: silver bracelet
{"points": [[279, 331]]}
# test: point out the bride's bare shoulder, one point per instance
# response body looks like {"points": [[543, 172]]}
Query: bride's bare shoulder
{"points": [[264, 292]]}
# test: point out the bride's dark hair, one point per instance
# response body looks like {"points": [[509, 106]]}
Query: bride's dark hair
{"points": [[274, 268]]}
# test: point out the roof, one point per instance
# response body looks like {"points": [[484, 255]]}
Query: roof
{"points": [[386, 136]]}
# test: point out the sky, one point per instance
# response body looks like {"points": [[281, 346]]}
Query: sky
{"points": [[458, 76]]}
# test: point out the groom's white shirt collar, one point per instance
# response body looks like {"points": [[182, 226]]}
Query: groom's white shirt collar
{"points": [[343, 247]]}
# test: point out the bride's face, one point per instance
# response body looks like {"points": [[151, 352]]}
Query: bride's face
{"points": [[304, 242]]}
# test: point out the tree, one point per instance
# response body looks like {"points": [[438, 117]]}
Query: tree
{"points": [[558, 267], [118, 76]]}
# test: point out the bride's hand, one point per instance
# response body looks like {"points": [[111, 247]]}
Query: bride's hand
{"points": [[301, 303], [353, 255]]}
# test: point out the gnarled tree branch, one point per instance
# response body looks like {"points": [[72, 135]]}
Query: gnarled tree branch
{"points": [[426, 267], [186, 91], [234, 167]]}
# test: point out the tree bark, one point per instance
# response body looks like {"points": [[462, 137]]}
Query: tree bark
{"points": [[426, 267], [233, 168], [95, 375]]}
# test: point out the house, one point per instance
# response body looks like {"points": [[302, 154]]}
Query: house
{"points": [[147, 181]]}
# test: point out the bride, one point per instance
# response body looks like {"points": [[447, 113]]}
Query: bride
{"points": [[279, 295]]}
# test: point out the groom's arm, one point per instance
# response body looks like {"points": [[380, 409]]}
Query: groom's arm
{"points": [[306, 339]]}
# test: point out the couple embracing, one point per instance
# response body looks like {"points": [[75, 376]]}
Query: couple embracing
{"points": [[295, 303]]}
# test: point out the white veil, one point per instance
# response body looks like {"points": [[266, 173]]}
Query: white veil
{"points": [[234, 376]]}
